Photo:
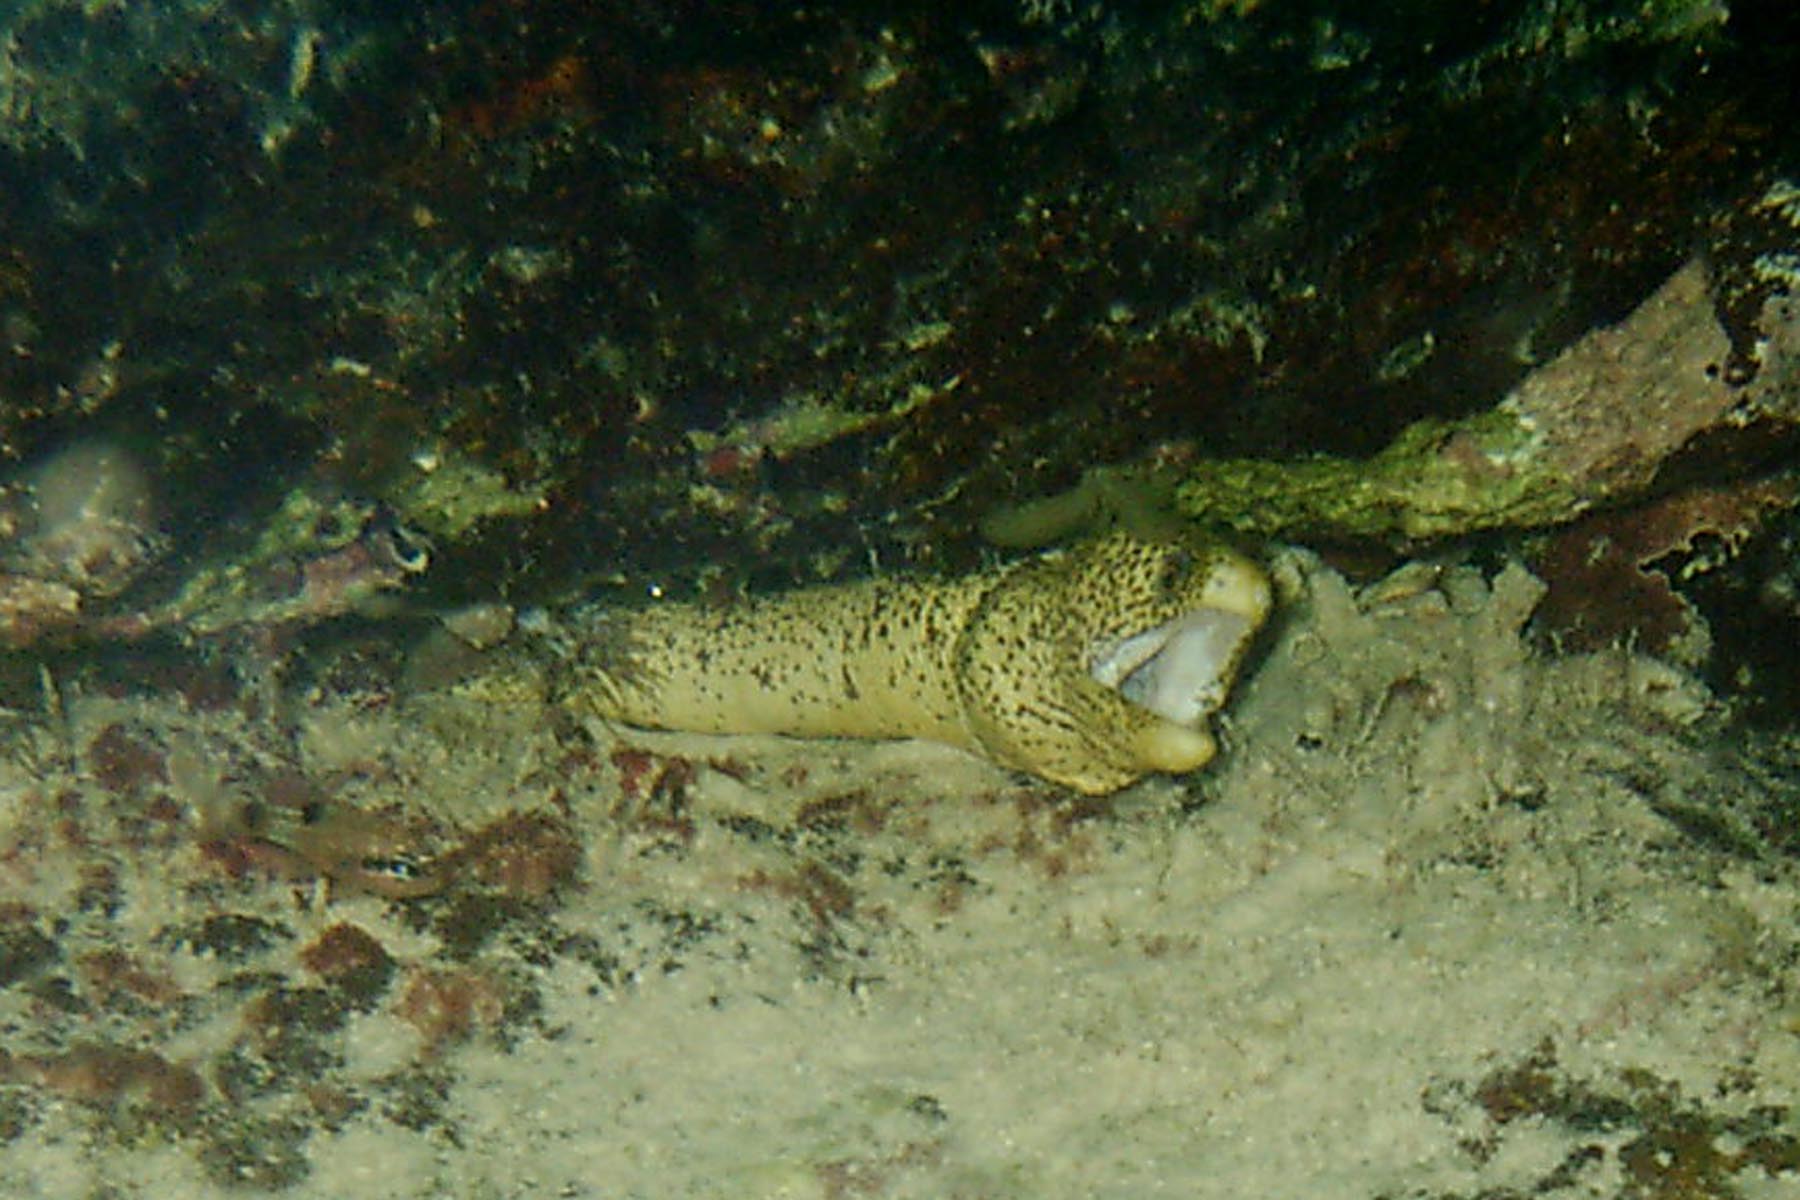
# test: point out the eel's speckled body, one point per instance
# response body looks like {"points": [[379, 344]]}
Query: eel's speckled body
{"points": [[1090, 668]]}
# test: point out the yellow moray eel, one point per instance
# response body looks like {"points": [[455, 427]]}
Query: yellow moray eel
{"points": [[1089, 668]]}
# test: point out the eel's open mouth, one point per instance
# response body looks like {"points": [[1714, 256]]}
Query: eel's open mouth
{"points": [[1179, 670]]}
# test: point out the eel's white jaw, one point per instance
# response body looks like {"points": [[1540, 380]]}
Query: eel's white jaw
{"points": [[1181, 669]]}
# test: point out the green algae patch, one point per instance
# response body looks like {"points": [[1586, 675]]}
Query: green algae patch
{"points": [[1436, 479], [450, 494]]}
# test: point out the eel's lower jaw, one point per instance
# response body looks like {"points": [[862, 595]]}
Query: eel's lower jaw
{"points": [[1181, 669]]}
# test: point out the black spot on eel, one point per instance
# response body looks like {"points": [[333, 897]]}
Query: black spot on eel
{"points": [[1090, 668]]}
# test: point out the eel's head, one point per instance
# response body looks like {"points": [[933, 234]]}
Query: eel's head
{"points": [[1098, 667]]}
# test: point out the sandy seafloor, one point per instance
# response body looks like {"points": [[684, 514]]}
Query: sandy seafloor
{"points": [[1449, 918]]}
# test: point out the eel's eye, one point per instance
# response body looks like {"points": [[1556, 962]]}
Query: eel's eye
{"points": [[399, 867], [1174, 572]]}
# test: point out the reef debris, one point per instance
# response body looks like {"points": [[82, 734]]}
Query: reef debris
{"points": [[1590, 429], [78, 526]]}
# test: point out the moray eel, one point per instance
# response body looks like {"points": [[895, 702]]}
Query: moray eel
{"points": [[1089, 668]]}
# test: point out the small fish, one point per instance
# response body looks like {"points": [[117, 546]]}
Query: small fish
{"points": [[348, 846]]}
